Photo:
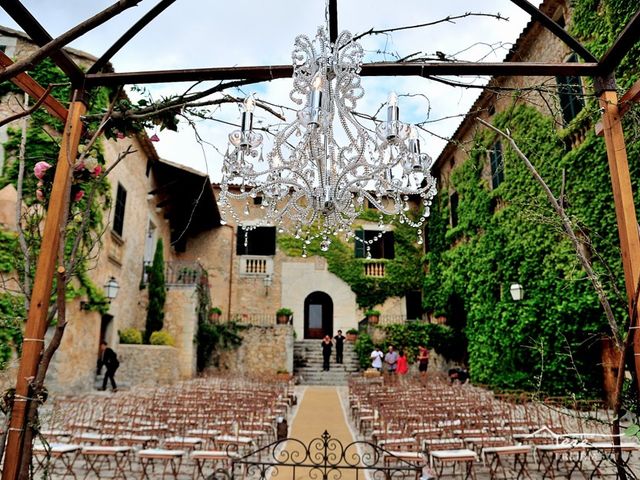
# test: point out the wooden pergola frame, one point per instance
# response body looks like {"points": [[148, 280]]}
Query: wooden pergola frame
{"points": [[601, 70]]}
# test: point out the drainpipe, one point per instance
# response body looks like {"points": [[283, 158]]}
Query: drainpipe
{"points": [[233, 237]]}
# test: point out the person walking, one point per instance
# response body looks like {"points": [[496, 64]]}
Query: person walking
{"points": [[327, 345], [109, 359], [339, 341]]}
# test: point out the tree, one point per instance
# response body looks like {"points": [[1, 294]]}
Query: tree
{"points": [[157, 293]]}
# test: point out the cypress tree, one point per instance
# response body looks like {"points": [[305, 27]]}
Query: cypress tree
{"points": [[157, 293]]}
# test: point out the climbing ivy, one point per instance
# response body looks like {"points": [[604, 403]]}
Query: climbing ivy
{"points": [[42, 146], [551, 340]]}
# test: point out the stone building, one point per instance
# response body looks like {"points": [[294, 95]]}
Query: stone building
{"points": [[151, 199], [535, 44]]}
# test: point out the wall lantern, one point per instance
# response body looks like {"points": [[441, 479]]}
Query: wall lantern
{"points": [[517, 292], [111, 288]]}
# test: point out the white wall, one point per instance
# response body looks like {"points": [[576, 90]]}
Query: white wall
{"points": [[304, 278]]}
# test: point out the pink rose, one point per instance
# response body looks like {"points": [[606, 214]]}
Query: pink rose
{"points": [[97, 171], [39, 195], [78, 196], [40, 169], [79, 166], [119, 135], [154, 138]]}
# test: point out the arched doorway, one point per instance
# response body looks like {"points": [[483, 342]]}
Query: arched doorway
{"points": [[318, 315]]}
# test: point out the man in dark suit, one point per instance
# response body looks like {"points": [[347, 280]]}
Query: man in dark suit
{"points": [[339, 341], [109, 359]]}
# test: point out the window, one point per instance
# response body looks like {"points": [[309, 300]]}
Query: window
{"points": [[497, 165], [453, 209], [380, 248], [259, 241], [118, 218], [257, 201], [570, 94], [414, 305]]}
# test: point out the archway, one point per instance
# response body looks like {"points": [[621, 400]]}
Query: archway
{"points": [[318, 315]]}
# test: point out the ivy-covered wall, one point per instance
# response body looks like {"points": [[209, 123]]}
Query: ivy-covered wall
{"points": [[550, 341]]}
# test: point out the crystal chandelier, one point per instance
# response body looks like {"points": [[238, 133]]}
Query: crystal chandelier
{"points": [[325, 168]]}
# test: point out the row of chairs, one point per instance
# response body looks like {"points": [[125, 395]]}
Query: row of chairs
{"points": [[448, 427], [193, 426]]}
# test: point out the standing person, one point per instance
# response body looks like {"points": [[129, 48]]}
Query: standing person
{"points": [[391, 360], [339, 341], [423, 360], [109, 359], [403, 363], [326, 352], [376, 359]]}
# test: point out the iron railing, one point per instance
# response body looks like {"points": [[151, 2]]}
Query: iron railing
{"points": [[178, 273], [324, 457]]}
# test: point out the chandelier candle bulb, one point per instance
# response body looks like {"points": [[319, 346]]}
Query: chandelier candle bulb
{"points": [[316, 101]]}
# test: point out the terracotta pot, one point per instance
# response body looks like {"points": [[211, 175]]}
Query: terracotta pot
{"points": [[283, 376], [214, 317], [282, 319], [373, 319], [352, 337]]}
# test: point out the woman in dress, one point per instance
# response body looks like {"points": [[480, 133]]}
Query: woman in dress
{"points": [[326, 352], [403, 363]]}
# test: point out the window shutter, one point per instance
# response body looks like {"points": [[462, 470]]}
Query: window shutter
{"points": [[388, 245], [358, 244]]}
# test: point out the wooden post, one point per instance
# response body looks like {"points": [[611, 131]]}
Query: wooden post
{"points": [[36, 325], [623, 199]]}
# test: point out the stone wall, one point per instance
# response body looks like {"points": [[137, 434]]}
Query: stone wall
{"points": [[181, 321], [148, 365], [263, 352], [73, 368]]}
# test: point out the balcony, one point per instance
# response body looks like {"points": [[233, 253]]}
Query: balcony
{"points": [[178, 273], [374, 269], [255, 266]]}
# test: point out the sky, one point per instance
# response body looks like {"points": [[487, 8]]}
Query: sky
{"points": [[208, 33]]}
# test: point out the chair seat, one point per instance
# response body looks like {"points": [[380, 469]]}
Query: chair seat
{"points": [[160, 453], [458, 454], [98, 450], [211, 454], [508, 449], [56, 448]]}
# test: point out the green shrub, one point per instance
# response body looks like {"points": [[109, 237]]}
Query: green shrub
{"points": [[352, 331], [372, 312], [131, 336], [217, 310], [284, 311], [161, 337]]}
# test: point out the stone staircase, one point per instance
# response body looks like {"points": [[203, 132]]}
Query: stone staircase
{"points": [[307, 364]]}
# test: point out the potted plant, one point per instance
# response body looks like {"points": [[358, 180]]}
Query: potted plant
{"points": [[373, 316], [352, 335], [283, 374], [283, 315], [214, 314]]}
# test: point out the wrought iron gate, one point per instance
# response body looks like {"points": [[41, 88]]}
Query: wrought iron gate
{"points": [[323, 458]]}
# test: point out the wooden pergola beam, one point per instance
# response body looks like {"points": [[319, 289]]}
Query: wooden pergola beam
{"points": [[36, 324], [557, 30], [22, 16], [333, 20], [630, 97], [267, 73], [35, 90], [129, 34]]}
